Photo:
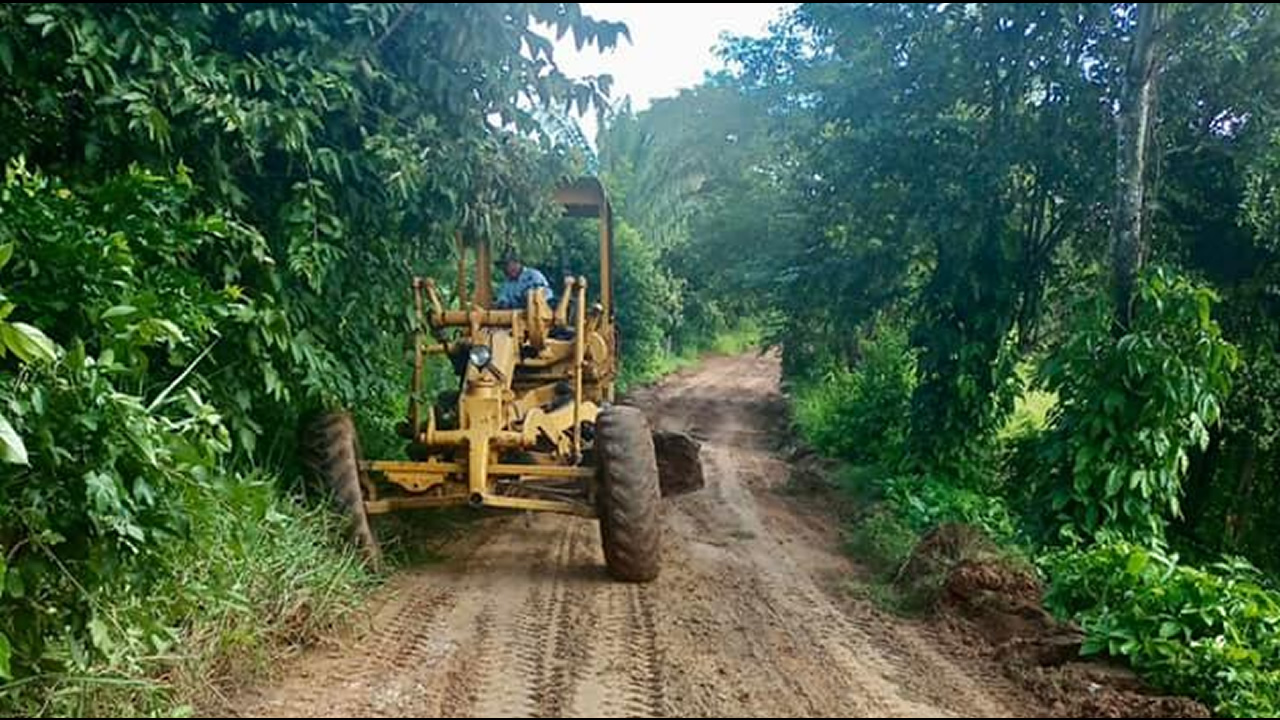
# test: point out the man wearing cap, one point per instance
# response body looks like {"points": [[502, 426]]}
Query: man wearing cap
{"points": [[520, 280]]}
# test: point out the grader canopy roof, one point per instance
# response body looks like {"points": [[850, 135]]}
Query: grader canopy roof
{"points": [[585, 197]]}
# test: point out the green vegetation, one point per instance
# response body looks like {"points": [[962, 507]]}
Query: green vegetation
{"points": [[861, 413], [1208, 631], [661, 363], [1131, 410], [251, 576]]}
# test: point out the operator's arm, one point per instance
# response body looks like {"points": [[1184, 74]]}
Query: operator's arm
{"points": [[536, 279]]}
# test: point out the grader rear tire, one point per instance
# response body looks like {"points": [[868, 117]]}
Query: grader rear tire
{"points": [[333, 453], [630, 499]]}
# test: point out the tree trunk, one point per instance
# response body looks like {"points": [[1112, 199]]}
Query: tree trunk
{"points": [[1133, 135], [1240, 515]]}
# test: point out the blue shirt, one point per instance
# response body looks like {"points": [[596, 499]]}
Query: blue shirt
{"points": [[513, 292]]}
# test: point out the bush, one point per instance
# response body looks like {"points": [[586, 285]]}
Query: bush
{"points": [[1212, 633], [747, 334], [1132, 405], [129, 551], [882, 541], [1031, 409], [926, 502], [861, 414], [126, 533]]}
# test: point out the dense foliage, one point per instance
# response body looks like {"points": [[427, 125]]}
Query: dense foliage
{"points": [[1132, 408], [1206, 631], [861, 413], [209, 219]]}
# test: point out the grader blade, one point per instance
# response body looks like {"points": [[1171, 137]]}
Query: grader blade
{"points": [[679, 463]]}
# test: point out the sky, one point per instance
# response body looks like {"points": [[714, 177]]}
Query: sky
{"points": [[671, 46]]}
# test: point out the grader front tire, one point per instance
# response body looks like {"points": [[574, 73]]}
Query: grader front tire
{"points": [[333, 453], [630, 499]]}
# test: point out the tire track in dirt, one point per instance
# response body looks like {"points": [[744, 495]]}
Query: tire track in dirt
{"points": [[644, 693], [460, 689], [510, 662], [851, 632], [623, 677], [746, 619], [418, 641], [574, 635], [477, 629]]}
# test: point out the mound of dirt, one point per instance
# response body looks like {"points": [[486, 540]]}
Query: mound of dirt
{"points": [[993, 602], [810, 473], [679, 463], [1092, 690], [975, 579], [1004, 603]]}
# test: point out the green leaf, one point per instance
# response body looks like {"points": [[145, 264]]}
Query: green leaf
{"points": [[76, 357], [4, 567], [1137, 563], [102, 492], [6, 650], [133, 530], [14, 587], [27, 342], [118, 311], [101, 636], [12, 449], [1093, 646], [6, 55], [164, 328], [39, 18], [6, 309], [1168, 629], [143, 492], [6, 252], [1115, 480]]}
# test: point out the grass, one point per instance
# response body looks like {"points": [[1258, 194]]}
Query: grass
{"points": [[747, 335], [881, 541], [256, 577], [667, 364], [730, 342], [413, 538]]}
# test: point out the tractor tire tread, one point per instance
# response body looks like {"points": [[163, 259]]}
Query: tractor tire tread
{"points": [[333, 453], [630, 498]]}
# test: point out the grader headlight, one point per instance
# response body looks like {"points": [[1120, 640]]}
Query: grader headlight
{"points": [[480, 356]]}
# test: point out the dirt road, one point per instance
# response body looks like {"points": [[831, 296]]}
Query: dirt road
{"points": [[747, 618]]}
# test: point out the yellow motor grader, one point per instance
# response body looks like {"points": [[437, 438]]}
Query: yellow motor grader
{"points": [[532, 424]]}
